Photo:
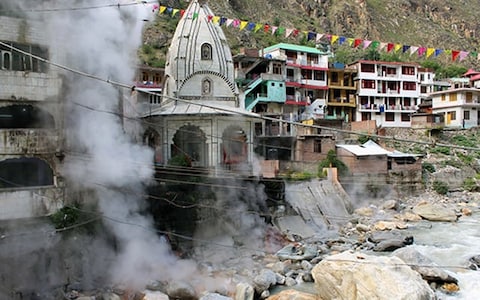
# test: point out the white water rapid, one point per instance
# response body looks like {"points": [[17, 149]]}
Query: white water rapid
{"points": [[450, 245]]}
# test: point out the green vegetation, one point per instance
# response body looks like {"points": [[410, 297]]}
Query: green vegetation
{"points": [[428, 167], [441, 150], [332, 161], [440, 187], [69, 216], [299, 176]]}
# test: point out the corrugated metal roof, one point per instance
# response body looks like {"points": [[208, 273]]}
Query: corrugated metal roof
{"points": [[198, 108], [372, 148]]}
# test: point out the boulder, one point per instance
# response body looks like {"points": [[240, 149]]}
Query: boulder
{"points": [[293, 295], [435, 212], [297, 252], [244, 291], [355, 276], [474, 262], [423, 265], [180, 290], [264, 280], [214, 296]]}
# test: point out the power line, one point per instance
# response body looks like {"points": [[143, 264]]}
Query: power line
{"points": [[78, 8]]}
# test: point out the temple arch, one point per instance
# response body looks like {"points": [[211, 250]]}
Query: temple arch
{"points": [[189, 146], [24, 172]]}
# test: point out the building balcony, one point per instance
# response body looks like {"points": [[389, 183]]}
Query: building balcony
{"points": [[386, 108], [31, 141]]}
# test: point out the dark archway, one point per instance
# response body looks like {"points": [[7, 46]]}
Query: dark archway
{"points": [[25, 171], [189, 146], [234, 146], [25, 116], [153, 139]]}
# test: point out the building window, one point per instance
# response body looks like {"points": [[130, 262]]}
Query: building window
{"points": [[390, 117], [443, 97], [409, 86], [317, 146], [334, 77], [145, 77], [277, 68], [408, 70], [452, 97], [367, 68], [206, 51], [157, 78], [452, 115], [368, 84], [319, 75], [469, 97], [405, 117], [466, 115], [17, 61], [206, 87], [155, 99], [391, 71]]}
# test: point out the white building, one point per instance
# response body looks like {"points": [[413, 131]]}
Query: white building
{"points": [[388, 92], [31, 122], [199, 121], [460, 106]]}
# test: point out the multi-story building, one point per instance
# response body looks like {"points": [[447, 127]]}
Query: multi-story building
{"points": [[388, 92], [287, 83], [31, 122], [342, 88], [459, 106]]}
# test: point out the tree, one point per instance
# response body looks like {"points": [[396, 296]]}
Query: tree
{"points": [[332, 161]]}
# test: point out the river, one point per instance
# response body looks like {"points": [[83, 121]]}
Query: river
{"points": [[451, 245]]}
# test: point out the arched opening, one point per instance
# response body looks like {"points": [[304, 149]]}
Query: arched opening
{"points": [[189, 147], [25, 116], [24, 172], [234, 146], [206, 51], [207, 86], [152, 139]]}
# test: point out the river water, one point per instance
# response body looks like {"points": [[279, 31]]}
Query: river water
{"points": [[450, 245]]}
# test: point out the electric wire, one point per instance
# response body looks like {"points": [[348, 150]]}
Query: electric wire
{"points": [[78, 8]]}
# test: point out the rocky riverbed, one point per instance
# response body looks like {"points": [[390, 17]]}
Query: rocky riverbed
{"points": [[370, 257]]}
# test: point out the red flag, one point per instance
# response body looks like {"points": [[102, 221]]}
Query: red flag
{"points": [[182, 12], [357, 43], [266, 28], [295, 32], [455, 54], [209, 18], [390, 47]]}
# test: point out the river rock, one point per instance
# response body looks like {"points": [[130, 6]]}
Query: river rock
{"points": [[355, 276], [474, 262], [180, 290], [392, 244], [244, 291], [154, 295], [297, 252], [214, 296], [435, 212], [264, 280], [423, 265], [293, 295]]}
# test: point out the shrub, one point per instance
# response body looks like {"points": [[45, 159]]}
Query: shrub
{"points": [[332, 161], [470, 184], [428, 167], [440, 187], [441, 150]]}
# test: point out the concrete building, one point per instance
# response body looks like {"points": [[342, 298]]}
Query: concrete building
{"points": [[342, 88], [199, 121], [31, 123], [460, 107], [388, 92]]}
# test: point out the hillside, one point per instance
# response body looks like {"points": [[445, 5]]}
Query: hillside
{"points": [[446, 25]]}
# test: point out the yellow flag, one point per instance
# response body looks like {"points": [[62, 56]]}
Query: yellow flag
{"points": [[162, 9], [175, 11], [430, 51], [398, 47], [243, 24], [216, 19], [334, 39]]}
